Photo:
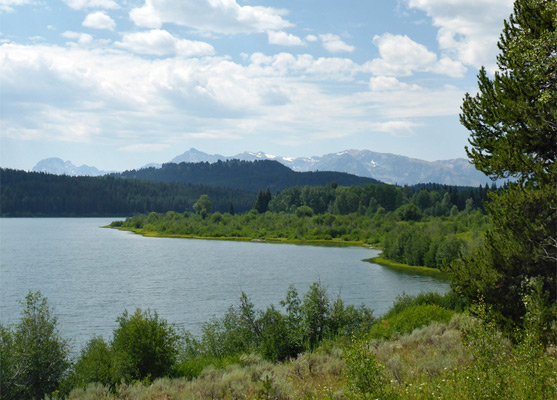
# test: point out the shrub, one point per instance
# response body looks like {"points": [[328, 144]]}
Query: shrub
{"points": [[409, 319], [94, 364], [144, 346], [365, 375], [304, 211], [34, 356]]}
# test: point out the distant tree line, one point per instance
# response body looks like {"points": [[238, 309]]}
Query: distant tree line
{"points": [[39, 194], [243, 175], [429, 199]]}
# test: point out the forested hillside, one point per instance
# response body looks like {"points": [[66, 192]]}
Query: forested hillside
{"points": [[243, 175], [38, 194]]}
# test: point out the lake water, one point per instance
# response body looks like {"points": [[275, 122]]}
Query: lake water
{"points": [[91, 275]]}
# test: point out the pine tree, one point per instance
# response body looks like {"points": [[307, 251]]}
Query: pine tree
{"points": [[513, 125], [262, 202]]}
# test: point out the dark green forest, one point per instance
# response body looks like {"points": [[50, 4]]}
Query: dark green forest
{"points": [[37, 194], [243, 175]]}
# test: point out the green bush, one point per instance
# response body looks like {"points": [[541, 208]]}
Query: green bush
{"points": [[365, 374], [409, 319], [449, 300], [144, 346], [94, 364], [34, 356]]}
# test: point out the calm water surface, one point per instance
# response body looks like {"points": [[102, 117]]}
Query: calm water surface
{"points": [[91, 275]]}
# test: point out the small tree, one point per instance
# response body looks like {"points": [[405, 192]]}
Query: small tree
{"points": [[144, 346], [37, 357], [203, 206], [315, 311], [262, 202], [94, 364]]}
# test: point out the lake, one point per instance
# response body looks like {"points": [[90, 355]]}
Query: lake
{"points": [[90, 275]]}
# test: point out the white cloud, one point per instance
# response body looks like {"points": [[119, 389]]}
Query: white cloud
{"points": [[398, 100], [312, 38], [160, 42], [284, 39], [85, 4], [396, 128], [401, 56], [81, 38], [468, 30], [388, 83], [145, 147], [99, 20], [304, 65], [334, 44], [8, 5], [118, 97], [219, 16]]}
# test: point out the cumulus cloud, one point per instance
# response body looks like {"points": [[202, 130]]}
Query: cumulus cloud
{"points": [[81, 38], [85, 4], [396, 128], [99, 20], [8, 5], [284, 39], [401, 56], [120, 97], [334, 44], [304, 65], [218, 16], [398, 100], [468, 30], [388, 83], [160, 42]]}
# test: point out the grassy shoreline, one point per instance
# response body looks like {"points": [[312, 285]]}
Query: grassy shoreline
{"points": [[408, 268], [327, 243], [331, 242]]}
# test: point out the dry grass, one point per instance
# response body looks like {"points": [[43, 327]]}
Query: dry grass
{"points": [[432, 362]]}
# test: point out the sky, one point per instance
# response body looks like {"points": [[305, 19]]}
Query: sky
{"points": [[117, 84]]}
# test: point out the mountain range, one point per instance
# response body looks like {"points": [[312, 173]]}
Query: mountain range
{"points": [[57, 166], [385, 167]]}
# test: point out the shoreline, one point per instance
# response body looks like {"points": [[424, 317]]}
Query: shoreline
{"points": [[408, 268], [300, 242]]}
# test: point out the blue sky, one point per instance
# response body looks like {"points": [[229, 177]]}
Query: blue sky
{"points": [[118, 84]]}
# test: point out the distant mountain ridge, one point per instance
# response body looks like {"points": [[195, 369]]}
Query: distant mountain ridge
{"points": [[57, 166], [385, 167]]}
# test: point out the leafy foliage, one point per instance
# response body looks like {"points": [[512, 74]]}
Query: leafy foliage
{"points": [[513, 125], [409, 319], [275, 335], [33, 354], [144, 346]]}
